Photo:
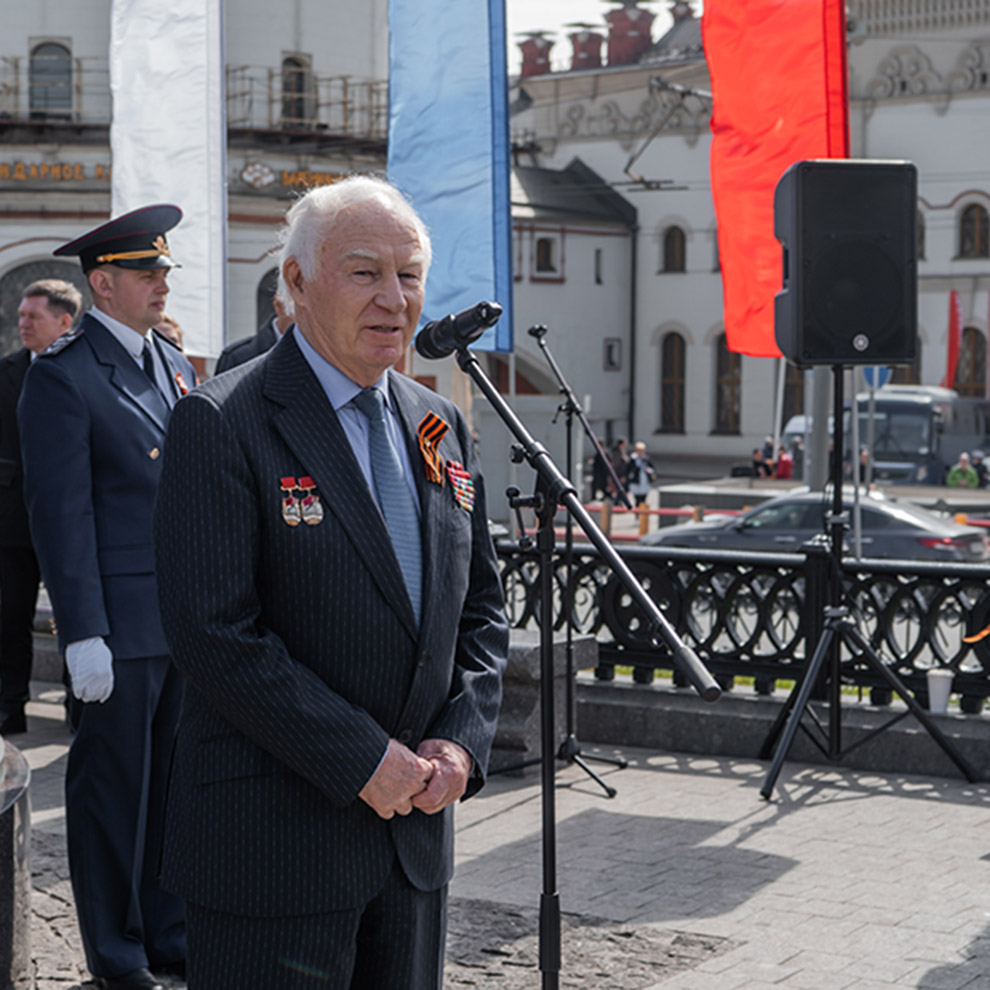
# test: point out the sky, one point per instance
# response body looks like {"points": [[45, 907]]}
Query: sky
{"points": [[552, 15]]}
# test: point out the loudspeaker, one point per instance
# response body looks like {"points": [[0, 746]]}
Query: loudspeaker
{"points": [[849, 232]]}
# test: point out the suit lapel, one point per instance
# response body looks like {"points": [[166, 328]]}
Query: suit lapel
{"points": [[310, 428], [124, 373]]}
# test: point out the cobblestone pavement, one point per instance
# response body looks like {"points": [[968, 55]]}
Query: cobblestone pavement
{"points": [[686, 880]]}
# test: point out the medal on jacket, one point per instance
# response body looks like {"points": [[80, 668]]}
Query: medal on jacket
{"points": [[312, 510], [430, 432], [461, 485], [291, 509]]}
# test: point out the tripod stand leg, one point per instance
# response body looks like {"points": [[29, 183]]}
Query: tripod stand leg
{"points": [[857, 639], [800, 703], [609, 791]]}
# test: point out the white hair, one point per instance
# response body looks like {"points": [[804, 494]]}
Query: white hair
{"points": [[310, 220]]}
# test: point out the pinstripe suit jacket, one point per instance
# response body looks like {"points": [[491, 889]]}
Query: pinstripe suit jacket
{"points": [[92, 430], [300, 647]]}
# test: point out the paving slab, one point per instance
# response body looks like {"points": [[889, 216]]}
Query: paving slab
{"points": [[685, 880]]}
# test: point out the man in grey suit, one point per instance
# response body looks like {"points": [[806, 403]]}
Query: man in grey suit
{"points": [[343, 668]]}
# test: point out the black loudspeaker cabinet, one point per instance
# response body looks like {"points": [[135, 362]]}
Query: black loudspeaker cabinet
{"points": [[850, 293]]}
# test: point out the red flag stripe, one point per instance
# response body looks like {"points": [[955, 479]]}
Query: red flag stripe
{"points": [[779, 96]]}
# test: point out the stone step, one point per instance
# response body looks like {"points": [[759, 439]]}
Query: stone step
{"points": [[660, 717]]}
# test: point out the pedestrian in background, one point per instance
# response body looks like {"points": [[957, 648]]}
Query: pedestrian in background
{"points": [[47, 310], [962, 474], [784, 468], [639, 474], [619, 458], [980, 467]]}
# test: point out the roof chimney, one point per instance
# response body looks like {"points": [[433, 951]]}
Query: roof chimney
{"points": [[535, 54], [629, 32], [587, 44]]}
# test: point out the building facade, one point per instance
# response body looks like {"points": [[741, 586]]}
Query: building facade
{"points": [[637, 111], [306, 102], [615, 240]]}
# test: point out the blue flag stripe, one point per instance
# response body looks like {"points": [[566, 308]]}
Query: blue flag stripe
{"points": [[448, 148]]}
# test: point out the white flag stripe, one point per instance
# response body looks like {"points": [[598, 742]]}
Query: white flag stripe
{"points": [[168, 142]]}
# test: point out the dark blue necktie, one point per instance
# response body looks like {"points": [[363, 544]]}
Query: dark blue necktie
{"points": [[148, 360], [393, 494]]}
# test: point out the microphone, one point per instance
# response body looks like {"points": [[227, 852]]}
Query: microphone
{"points": [[442, 337], [538, 331]]}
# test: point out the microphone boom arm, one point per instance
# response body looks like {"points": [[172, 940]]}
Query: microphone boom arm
{"points": [[560, 490]]}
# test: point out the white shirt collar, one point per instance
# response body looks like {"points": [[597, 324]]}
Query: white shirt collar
{"points": [[130, 339]]}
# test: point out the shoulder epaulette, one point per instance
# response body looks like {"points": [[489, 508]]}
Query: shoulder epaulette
{"points": [[60, 343]]}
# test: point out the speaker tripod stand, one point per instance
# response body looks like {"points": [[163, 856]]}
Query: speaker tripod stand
{"points": [[840, 630]]}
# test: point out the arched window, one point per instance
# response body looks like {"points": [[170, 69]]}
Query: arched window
{"points": [[793, 392], [971, 372], [921, 236], [974, 232], [728, 387], [673, 250], [297, 93], [264, 308], [672, 383], [50, 81]]}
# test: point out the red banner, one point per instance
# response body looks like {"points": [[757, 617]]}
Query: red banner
{"points": [[952, 348], [778, 70]]}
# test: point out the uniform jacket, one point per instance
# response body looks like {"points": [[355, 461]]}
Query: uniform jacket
{"points": [[13, 514], [300, 647], [244, 350], [92, 433]]}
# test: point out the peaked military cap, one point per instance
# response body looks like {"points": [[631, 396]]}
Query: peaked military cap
{"points": [[135, 240]]}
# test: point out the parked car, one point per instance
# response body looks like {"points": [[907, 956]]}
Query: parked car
{"points": [[890, 528]]}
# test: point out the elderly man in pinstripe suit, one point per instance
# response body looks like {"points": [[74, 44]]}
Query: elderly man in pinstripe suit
{"points": [[343, 670]]}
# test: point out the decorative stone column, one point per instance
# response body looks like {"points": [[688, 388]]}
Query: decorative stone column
{"points": [[15, 871], [518, 737]]}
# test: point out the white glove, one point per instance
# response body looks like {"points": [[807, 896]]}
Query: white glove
{"points": [[90, 664]]}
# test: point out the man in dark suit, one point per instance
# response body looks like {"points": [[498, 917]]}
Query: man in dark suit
{"points": [[241, 351], [343, 668], [93, 416], [47, 310]]}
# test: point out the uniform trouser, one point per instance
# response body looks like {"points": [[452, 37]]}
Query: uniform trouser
{"points": [[395, 942], [19, 577], [114, 802]]}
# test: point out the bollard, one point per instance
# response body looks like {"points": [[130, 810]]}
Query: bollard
{"points": [[16, 969], [644, 520], [607, 516]]}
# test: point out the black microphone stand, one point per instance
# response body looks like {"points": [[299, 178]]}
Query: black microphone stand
{"points": [[570, 748], [554, 489]]}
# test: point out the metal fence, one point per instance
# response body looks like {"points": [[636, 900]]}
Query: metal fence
{"points": [[761, 615]]}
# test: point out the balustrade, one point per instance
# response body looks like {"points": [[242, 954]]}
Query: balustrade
{"points": [[760, 615]]}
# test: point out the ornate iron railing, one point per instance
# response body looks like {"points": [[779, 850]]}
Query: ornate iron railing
{"points": [[761, 615]]}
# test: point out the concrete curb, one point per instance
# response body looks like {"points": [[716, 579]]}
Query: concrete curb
{"points": [[659, 717]]}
